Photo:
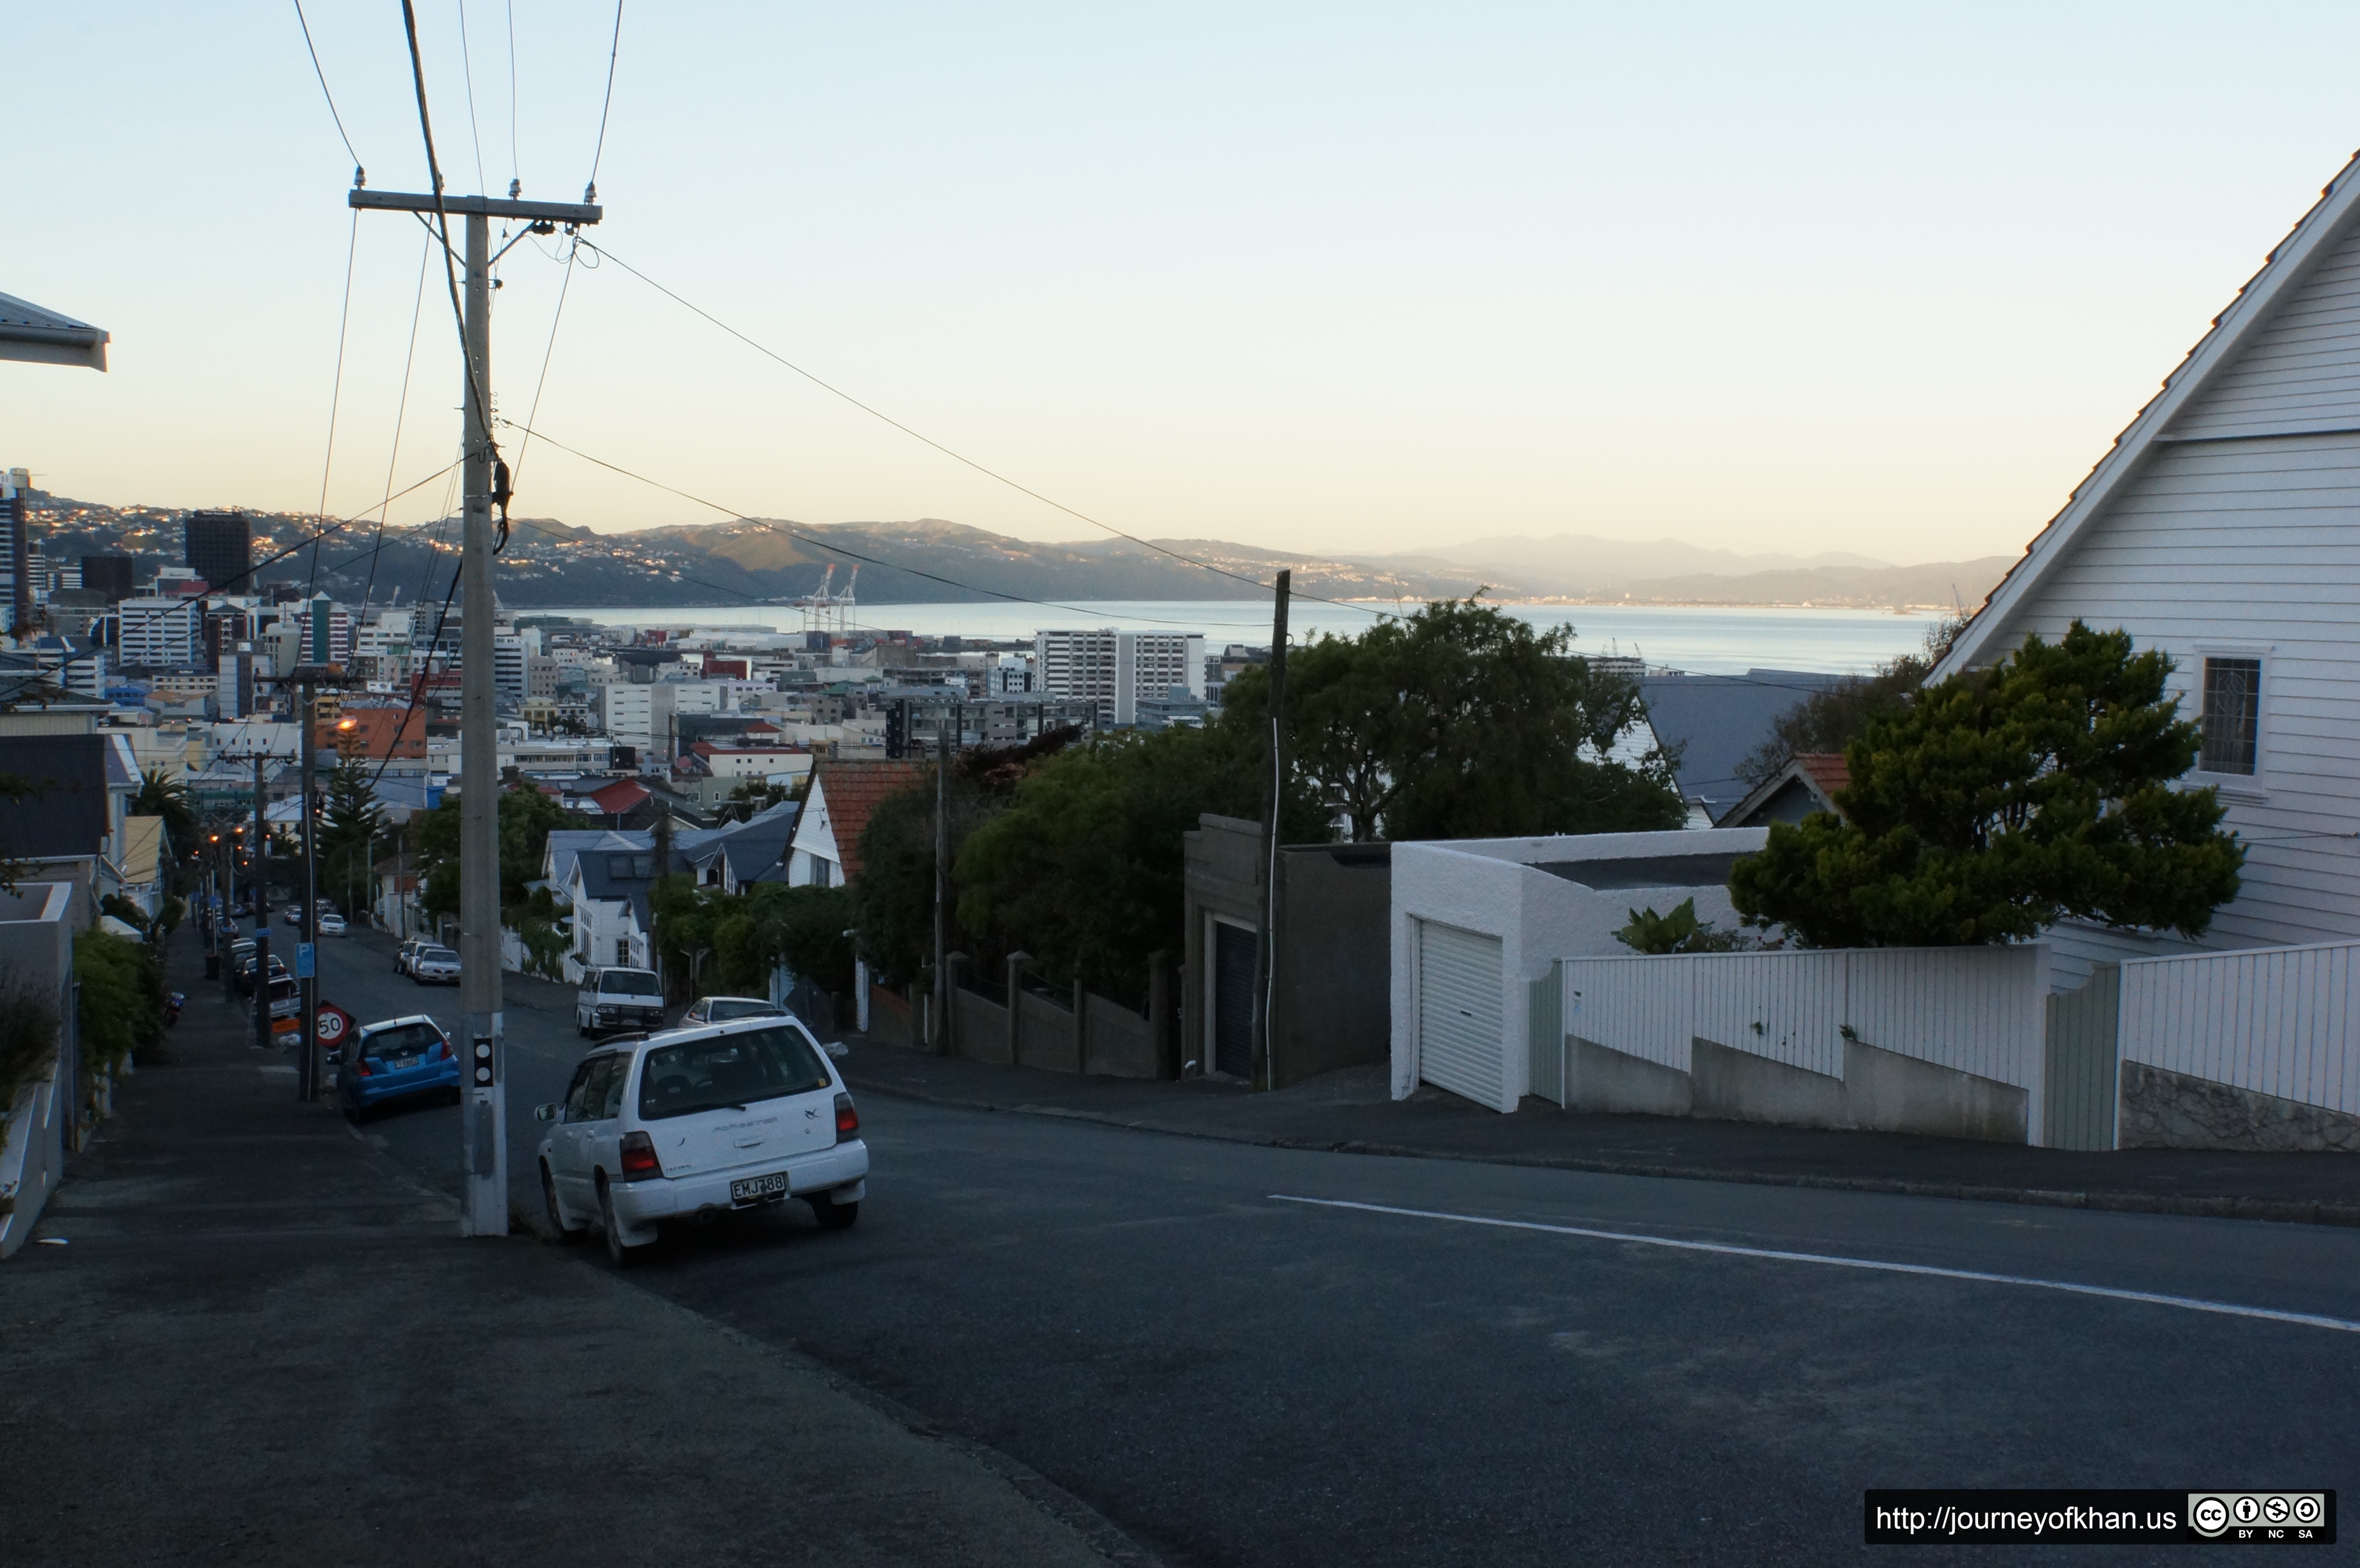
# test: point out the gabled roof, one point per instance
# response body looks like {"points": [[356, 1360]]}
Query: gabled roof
{"points": [[2282, 272], [620, 796], [1807, 783], [1713, 721], [853, 789]]}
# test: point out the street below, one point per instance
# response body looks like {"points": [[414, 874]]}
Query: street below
{"points": [[1244, 1354]]}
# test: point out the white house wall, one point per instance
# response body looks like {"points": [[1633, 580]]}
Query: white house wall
{"points": [[2248, 547], [2302, 369]]}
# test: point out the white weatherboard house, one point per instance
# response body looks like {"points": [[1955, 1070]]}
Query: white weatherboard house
{"points": [[2224, 528]]}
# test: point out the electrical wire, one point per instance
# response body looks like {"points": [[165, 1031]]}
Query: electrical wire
{"points": [[401, 416], [614, 47], [434, 172], [467, 73], [336, 397], [185, 599], [311, 49], [958, 457], [515, 179], [817, 542]]}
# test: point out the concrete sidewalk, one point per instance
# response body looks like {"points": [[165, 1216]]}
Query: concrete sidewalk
{"points": [[261, 1343], [1353, 1111]]}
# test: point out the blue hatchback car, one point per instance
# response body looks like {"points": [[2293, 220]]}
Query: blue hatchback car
{"points": [[399, 1059]]}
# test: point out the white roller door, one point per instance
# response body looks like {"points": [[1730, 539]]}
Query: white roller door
{"points": [[1459, 1042]]}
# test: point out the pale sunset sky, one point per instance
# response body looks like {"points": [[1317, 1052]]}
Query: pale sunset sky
{"points": [[1340, 278]]}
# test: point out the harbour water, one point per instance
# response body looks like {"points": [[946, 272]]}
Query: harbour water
{"points": [[1706, 639]]}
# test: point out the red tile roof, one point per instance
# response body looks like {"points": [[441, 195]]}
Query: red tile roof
{"points": [[1824, 769], [852, 790], [620, 796]]}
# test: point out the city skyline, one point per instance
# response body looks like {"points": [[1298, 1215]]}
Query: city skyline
{"points": [[1258, 278]]}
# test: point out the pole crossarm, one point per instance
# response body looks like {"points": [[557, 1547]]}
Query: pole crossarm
{"points": [[572, 213]]}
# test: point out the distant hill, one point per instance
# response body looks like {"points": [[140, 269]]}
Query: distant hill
{"points": [[548, 562]]}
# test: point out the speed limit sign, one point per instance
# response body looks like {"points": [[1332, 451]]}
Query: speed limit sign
{"points": [[331, 1023]]}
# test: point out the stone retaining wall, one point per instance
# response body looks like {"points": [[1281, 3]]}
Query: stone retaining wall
{"points": [[2161, 1109]]}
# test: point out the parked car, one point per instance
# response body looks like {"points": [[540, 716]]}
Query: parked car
{"points": [[285, 1001], [332, 925], [406, 951], [728, 1010], [245, 972], [432, 965], [398, 1059], [294, 915], [692, 1123], [616, 998]]}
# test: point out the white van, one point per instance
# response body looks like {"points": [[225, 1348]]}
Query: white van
{"points": [[695, 1123], [612, 999]]}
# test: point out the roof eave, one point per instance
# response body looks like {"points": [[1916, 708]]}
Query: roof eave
{"points": [[2288, 264]]}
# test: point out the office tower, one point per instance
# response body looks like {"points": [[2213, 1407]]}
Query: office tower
{"points": [[219, 547]]}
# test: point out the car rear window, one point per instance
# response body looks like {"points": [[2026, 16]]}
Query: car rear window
{"points": [[401, 1039], [734, 1070], [729, 1012], [627, 983], [438, 954]]}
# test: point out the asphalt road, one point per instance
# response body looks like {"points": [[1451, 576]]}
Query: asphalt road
{"points": [[1234, 1375]]}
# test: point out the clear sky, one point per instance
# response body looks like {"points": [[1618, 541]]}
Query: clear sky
{"points": [[1340, 278]]}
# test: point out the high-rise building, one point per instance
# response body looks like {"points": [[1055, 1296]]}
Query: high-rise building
{"points": [[1117, 670], [164, 634], [109, 574], [219, 547], [15, 545]]}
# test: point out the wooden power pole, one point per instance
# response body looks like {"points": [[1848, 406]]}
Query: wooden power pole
{"points": [[483, 1127]]}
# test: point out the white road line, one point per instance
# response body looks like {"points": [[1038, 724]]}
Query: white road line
{"points": [[2188, 1303]]}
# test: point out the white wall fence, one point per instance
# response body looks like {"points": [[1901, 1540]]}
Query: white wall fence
{"points": [[2282, 1021], [1978, 1011], [1974, 1009]]}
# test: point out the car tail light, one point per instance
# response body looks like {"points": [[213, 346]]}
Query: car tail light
{"points": [[640, 1157], [442, 1048], [361, 1067], [848, 1120]]}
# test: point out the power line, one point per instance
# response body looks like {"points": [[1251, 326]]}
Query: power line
{"points": [[336, 394], [467, 73], [958, 457], [254, 572], [314, 53], [590, 191], [441, 215], [401, 416], [514, 173], [817, 542]]}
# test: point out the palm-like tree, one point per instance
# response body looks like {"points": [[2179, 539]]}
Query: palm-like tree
{"points": [[168, 798]]}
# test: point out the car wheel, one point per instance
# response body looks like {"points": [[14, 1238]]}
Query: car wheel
{"points": [[833, 1215], [618, 1252], [560, 1232]]}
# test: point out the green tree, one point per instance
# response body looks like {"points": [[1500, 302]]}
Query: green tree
{"points": [[1996, 803], [1086, 869], [771, 924], [168, 798], [121, 1005], [526, 818], [1460, 722], [352, 823]]}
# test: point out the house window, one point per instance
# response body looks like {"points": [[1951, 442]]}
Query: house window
{"points": [[2233, 716], [623, 951]]}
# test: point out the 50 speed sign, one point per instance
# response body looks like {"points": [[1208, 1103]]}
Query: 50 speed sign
{"points": [[332, 1024]]}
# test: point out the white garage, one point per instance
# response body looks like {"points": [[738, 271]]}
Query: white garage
{"points": [[1475, 920]]}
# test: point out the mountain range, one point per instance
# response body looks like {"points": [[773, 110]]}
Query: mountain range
{"points": [[548, 562]]}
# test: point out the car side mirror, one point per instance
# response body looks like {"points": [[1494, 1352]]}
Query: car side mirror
{"points": [[547, 1113]]}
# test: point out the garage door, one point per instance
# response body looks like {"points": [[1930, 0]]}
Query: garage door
{"points": [[1458, 1026]]}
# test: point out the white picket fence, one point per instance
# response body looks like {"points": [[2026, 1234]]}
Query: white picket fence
{"points": [[1976, 1009], [2278, 1020]]}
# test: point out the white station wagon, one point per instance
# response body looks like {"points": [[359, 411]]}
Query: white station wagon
{"points": [[692, 1123]]}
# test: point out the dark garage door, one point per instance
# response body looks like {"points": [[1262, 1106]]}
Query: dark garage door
{"points": [[1233, 978]]}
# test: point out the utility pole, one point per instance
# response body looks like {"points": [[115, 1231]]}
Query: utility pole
{"points": [[482, 1121], [939, 1024], [1273, 798], [261, 903]]}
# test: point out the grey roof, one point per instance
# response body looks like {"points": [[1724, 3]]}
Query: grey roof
{"points": [[66, 813], [1717, 719], [29, 332], [757, 849]]}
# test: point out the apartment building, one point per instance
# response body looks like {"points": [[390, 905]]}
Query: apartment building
{"points": [[1116, 669]]}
